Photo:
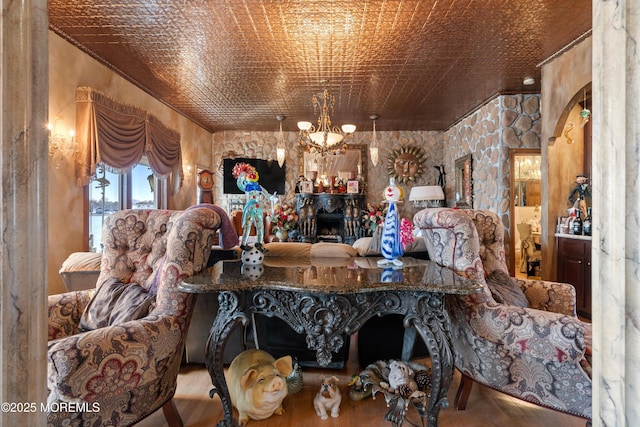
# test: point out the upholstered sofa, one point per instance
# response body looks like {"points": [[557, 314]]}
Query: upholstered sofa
{"points": [[106, 365], [521, 337]]}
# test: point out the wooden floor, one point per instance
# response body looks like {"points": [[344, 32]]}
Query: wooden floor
{"points": [[486, 407]]}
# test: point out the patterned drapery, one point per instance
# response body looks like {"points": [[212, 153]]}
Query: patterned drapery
{"points": [[118, 135]]}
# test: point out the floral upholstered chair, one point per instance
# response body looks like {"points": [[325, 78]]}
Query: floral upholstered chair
{"points": [[521, 337], [114, 352]]}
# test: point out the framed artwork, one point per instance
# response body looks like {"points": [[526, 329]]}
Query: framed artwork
{"points": [[306, 186], [352, 187], [464, 182]]}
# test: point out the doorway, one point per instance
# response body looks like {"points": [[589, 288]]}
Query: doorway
{"points": [[526, 215]]}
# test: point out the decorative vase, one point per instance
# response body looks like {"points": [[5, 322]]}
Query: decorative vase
{"points": [[281, 235]]}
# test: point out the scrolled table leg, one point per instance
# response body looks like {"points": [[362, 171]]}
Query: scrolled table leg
{"points": [[432, 324], [228, 316]]}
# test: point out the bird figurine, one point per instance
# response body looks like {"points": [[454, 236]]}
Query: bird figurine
{"points": [[294, 380], [357, 389]]}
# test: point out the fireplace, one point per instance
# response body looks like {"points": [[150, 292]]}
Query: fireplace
{"points": [[330, 227], [328, 217]]}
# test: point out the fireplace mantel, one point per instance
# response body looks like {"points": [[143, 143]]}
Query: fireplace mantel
{"points": [[329, 217]]}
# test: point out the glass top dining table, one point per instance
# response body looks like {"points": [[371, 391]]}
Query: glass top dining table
{"points": [[324, 298]]}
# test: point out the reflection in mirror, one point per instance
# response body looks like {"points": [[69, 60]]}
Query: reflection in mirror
{"points": [[464, 186], [527, 180], [344, 166]]}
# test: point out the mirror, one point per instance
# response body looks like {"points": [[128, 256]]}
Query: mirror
{"points": [[346, 166], [464, 186], [527, 180]]}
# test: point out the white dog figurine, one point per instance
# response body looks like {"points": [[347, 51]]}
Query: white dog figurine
{"points": [[401, 374], [328, 398]]}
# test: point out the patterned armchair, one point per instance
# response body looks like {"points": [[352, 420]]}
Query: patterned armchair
{"points": [[119, 374], [538, 351]]}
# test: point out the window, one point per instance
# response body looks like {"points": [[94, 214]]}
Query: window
{"points": [[109, 192]]}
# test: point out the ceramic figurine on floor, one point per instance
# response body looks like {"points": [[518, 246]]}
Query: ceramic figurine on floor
{"points": [[247, 181], [327, 400], [401, 376], [257, 384], [390, 244], [357, 389]]}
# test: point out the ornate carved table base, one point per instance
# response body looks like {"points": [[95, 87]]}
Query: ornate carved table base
{"points": [[324, 317]]}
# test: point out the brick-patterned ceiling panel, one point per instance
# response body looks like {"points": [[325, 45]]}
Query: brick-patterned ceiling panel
{"points": [[236, 64]]}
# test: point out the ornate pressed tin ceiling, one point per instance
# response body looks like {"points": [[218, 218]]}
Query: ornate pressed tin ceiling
{"points": [[237, 64]]}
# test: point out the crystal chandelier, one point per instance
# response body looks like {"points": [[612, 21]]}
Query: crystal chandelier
{"points": [[324, 138]]}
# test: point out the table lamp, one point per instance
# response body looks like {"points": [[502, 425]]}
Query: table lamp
{"points": [[427, 196]]}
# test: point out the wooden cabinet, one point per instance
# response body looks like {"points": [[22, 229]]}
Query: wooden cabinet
{"points": [[574, 266]]}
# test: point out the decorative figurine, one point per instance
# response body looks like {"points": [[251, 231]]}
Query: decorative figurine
{"points": [[580, 196], [357, 389], [247, 180], [295, 381], [328, 398], [257, 384], [390, 244], [252, 255], [401, 376]]}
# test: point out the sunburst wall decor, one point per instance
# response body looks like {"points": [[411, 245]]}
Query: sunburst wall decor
{"points": [[406, 164]]}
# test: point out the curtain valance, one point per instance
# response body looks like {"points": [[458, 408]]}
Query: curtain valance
{"points": [[118, 135]]}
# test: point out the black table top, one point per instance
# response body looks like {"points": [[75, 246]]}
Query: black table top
{"points": [[329, 275]]}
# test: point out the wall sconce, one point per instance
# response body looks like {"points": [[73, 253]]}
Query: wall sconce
{"points": [[61, 145], [373, 148], [281, 147], [188, 172], [427, 196]]}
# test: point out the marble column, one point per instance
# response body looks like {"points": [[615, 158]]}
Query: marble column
{"points": [[616, 205], [23, 212]]}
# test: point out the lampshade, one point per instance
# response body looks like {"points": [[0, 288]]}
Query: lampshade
{"points": [[426, 192]]}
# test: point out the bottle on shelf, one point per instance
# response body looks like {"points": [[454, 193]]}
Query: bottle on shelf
{"points": [[576, 227], [586, 224]]}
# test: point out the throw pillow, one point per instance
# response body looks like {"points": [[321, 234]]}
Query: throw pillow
{"points": [[82, 261], [287, 249], [332, 250], [505, 289], [114, 303], [362, 246]]}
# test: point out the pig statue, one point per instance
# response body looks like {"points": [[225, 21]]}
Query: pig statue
{"points": [[257, 384]]}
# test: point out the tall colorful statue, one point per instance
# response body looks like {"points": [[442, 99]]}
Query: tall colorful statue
{"points": [[390, 243], [247, 180]]}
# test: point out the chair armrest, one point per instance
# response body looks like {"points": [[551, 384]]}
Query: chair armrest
{"points": [[525, 331], [550, 296], [64, 312], [131, 354]]}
